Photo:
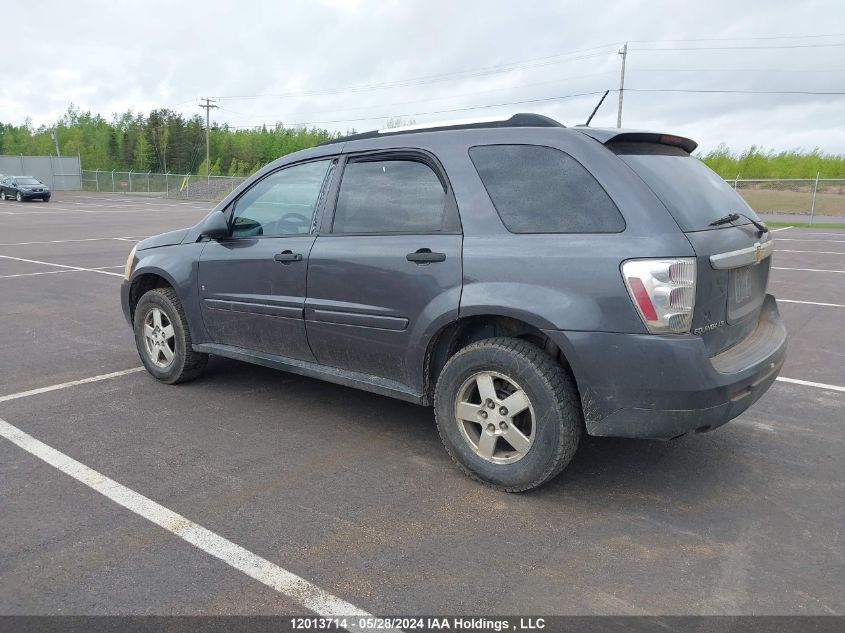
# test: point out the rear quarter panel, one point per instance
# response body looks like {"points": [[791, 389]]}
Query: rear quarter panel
{"points": [[558, 281]]}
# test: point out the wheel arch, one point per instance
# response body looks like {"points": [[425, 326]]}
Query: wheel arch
{"points": [[145, 280], [454, 336]]}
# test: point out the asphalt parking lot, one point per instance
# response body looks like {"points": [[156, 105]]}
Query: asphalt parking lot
{"points": [[354, 493]]}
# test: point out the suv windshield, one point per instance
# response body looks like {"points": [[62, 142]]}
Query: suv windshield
{"points": [[27, 181], [693, 193]]}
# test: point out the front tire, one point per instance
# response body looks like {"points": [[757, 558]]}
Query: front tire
{"points": [[19, 197], [3, 196], [508, 414], [46, 198], [163, 338]]}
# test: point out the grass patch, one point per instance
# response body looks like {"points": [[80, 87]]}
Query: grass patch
{"points": [[791, 201], [806, 225]]}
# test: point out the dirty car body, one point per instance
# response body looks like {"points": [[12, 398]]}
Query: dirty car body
{"points": [[661, 319]]}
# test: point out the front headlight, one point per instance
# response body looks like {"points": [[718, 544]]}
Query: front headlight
{"points": [[129, 261]]}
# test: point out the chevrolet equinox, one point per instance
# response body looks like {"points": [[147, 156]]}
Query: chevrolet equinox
{"points": [[530, 281]]}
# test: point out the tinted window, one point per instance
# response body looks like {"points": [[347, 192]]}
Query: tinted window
{"points": [[390, 196], [694, 194], [28, 181], [283, 203], [543, 190]]}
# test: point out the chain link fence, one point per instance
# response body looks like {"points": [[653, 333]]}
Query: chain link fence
{"points": [[800, 196], [179, 186], [60, 173]]}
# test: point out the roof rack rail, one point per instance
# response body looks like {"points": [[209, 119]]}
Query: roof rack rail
{"points": [[522, 119]]}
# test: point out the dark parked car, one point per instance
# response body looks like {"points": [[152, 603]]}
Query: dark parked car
{"points": [[530, 281], [23, 188]]}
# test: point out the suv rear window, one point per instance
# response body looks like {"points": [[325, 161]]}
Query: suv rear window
{"points": [[538, 189], [693, 193], [390, 196]]}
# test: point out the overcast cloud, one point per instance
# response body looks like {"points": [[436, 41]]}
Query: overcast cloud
{"points": [[110, 56]]}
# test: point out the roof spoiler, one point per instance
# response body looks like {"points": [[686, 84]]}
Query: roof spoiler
{"points": [[608, 135]]}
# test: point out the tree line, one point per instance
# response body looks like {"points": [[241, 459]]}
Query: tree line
{"points": [[165, 141], [162, 141]]}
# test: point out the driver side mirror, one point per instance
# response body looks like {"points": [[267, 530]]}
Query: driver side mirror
{"points": [[215, 226]]}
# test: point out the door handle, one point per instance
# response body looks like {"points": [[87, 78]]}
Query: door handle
{"points": [[286, 257], [425, 256]]}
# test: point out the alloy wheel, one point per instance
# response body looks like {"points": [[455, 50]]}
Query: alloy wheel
{"points": [[495, 417], [159, 337]]}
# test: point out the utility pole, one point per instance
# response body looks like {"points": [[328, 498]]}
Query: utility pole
{"points": [[55, 136], [208, 105], [624, 53]]}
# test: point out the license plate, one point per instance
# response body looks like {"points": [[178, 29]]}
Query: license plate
{"points": [[742, 286]]}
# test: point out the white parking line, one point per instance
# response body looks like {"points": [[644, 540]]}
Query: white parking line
{"points": [[809, 270], [807, 383], [56, 272], [841, 234], [786, 250], [798, 239], [277, 578], [783, 228], [86, 239], [812, 303], [72, 383], [281, 580], [35, 261]]}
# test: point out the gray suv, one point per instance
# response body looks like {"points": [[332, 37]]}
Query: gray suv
{"points": [[532, 282]]}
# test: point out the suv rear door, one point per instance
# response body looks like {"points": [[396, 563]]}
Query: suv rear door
{"points": [[386, 265]]}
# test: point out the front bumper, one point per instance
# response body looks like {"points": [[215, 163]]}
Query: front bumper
{"points": [[660, 387], [32, 195]]}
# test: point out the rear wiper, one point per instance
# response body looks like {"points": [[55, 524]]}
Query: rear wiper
{"points": [[733, 217], [730, 217]]}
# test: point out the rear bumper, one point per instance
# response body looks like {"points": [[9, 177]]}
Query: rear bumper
{"points": [[660, 387]]}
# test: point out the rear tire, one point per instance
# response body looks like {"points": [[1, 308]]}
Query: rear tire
{"points": [[163, 338], [19, 197], [470, 403], [3, 196]]}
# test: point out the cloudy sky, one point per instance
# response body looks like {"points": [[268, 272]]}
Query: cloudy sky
{"points": [[344, 64]]}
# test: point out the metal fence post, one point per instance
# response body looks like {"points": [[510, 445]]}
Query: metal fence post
{"points": [[813, 207], [130, 181], [166, 186], [97, 176], [735, 181], [148, 181], [112, 180]]}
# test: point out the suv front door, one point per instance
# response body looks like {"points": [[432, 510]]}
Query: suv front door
{"points": [[252, 283], [385, 268]]}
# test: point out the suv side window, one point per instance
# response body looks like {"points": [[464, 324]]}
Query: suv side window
{"points": [[391, 196], [538, 189], [281, 204]]}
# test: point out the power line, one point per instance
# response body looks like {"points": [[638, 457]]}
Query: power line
{"points": [[540, 100], [412, 114], [741, 39], [739, 48], [754, 92], [744, 70], [451, 96], [465, 74]]}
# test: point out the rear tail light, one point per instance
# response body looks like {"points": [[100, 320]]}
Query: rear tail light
{"points": [[663, 290]]}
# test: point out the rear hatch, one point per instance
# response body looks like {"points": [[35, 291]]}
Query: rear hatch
{"points": [[733, 259]]}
